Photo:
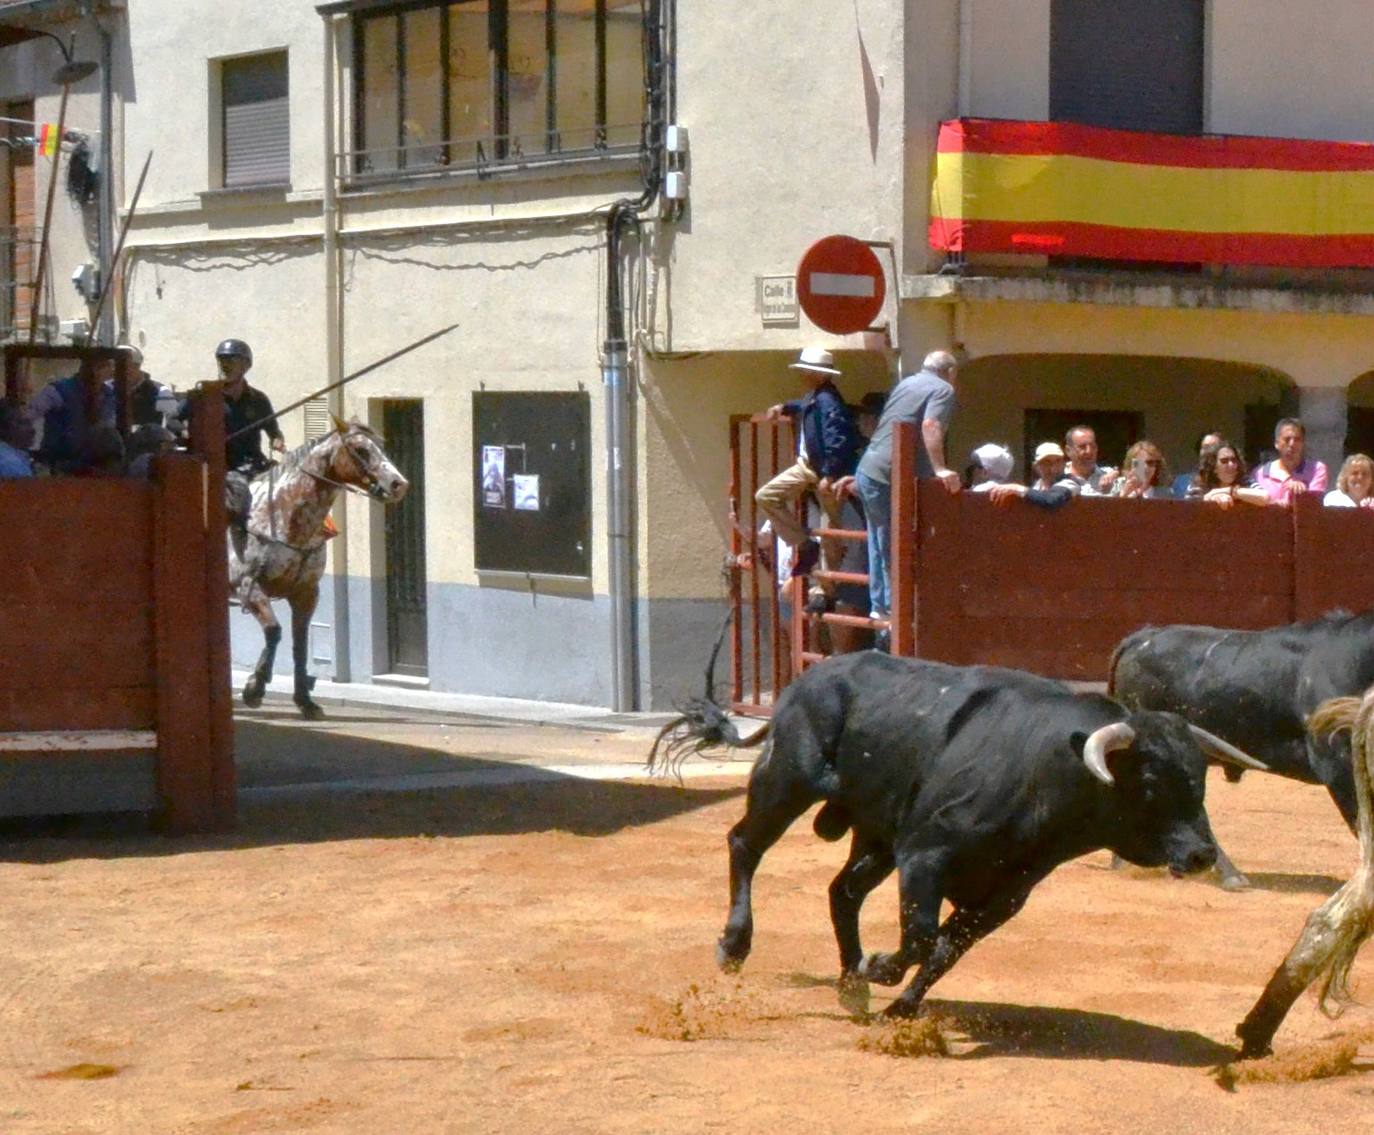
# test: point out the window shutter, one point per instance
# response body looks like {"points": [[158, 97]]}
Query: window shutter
{"points": [[317, 420], [257, 128]]}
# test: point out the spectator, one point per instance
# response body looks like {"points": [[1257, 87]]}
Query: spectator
{"points": [[1184, 483], [1084, 474], [988, 465], [1291, 474], [867, 414], [16, 437], [1144, 473], [103, 454], [828, 448], [1048, 465], [1220, 478], [925, 399], [69, 410], [1354, 484], [145, 444], [144, 392], [1056, 496]]}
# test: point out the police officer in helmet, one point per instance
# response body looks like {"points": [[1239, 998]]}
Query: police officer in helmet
{"points": [[245, 405]]}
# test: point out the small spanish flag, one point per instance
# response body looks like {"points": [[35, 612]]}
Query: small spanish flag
{"points": [[47, 139]]}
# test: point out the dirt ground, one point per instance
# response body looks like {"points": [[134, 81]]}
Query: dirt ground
{"points": [[538, 957]]}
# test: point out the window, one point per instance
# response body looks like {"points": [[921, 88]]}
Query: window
{"points": [[467, 83], [1128, 64], [256, 128]]}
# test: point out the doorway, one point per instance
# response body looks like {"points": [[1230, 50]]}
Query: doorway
{"points": [[407, 626]]}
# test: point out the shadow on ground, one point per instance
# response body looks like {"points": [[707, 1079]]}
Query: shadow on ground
{"points": [[997, 1029], [309, 785]]}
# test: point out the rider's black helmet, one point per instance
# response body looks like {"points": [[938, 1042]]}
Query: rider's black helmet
{"points": [[235, 349]]}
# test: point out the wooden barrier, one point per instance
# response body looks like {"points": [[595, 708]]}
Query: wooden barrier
{"points": [[1055, 591], [114, 668]]}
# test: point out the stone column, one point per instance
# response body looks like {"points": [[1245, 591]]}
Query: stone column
{"points": [[1322, 409]]}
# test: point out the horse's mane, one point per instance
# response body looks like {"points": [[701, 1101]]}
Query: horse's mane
{"points": [[295, 457]]}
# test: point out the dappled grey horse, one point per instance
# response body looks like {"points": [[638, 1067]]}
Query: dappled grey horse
{"points": [[277, 538]]}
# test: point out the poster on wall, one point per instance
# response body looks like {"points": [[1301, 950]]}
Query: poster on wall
{"points": [[526, 491], [494, 476]]}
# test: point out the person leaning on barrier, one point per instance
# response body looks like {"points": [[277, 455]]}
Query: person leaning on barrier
{"points": [[1083, 473], [1354, 484], [1220, 478], [926, 400], [145, 445], [244, 406], [1292, 473], [1185, 484], [987, 466], [16, 438]]}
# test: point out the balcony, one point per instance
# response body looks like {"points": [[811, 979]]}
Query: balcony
{"points": [[18, 259], [1085, 214]]}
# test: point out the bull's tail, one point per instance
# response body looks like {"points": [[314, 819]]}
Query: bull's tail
{"points": [[702, 723], [1340, 926]]}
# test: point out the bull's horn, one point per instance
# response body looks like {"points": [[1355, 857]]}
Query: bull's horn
{"points": [[1100, 742], [1224, 751]]}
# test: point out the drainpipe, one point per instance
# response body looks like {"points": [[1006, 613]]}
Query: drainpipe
{"points": [[104, 333], [333, 345], [965, 57], [621, 459]]}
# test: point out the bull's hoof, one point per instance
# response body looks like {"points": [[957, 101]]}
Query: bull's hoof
{"points": [[853, 994], [882, 969], [252, 693], [903, 1009], [310, 710], [729, 961], [1235, 883]]}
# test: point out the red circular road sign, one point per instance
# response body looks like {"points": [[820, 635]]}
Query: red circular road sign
{"points": [[840, 285]]}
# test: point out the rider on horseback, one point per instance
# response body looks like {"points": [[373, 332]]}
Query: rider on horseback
{"points": [[245, 406]]}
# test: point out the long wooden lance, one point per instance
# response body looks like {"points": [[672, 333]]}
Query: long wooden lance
{"points": [[346, 379], [119, 248]]}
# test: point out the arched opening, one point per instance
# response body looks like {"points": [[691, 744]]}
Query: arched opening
{"points": [[1359, 415], [1022, 400]]}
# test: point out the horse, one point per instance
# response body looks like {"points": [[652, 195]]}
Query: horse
{"points": [[277, 536]]}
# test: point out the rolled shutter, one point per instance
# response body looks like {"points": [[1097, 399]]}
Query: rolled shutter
{"points": [[257, 127]]}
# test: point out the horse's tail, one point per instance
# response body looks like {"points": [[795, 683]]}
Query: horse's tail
{"points": [[702, 723]]}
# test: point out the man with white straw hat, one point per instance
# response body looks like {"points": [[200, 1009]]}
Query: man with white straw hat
{"points": [[827, 449]]}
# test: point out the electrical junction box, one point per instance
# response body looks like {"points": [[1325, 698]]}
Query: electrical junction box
{"points": [[675, 185], [675, 139]]}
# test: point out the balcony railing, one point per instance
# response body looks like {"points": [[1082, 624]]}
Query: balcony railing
{"points": [[488, 155], [1061, 189]]}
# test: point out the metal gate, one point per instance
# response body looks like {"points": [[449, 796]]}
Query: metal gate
{"points": [[407, 636]]}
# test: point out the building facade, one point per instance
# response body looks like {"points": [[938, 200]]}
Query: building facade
{"points": [[333, 182]]}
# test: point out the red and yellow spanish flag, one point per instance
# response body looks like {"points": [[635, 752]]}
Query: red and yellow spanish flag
{"points": [[1062, 189], [47, 139]]}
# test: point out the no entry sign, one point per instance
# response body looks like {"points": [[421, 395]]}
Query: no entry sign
{"points": [[840, 285]]}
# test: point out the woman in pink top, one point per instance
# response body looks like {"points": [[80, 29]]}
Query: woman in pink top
{"points": [[1291, 474]]}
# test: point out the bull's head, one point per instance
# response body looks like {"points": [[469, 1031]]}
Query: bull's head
{"points": [[1158, 777]]}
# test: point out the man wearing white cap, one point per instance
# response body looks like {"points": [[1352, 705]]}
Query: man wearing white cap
{"points": [[144, 391], [988, 465], [1048, 465], [828, 449]]}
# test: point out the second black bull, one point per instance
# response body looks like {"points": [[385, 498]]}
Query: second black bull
{"points": [[1256, 689], [973, 783]]}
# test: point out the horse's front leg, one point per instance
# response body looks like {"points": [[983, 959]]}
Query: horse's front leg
{"points": [[302, 608], [260, 607]]}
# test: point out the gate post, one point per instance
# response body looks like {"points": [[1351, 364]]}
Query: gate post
{"points": [[902, 541]]}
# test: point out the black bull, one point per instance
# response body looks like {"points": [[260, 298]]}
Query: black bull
{"points": [[1256, 689], [973, 783]]}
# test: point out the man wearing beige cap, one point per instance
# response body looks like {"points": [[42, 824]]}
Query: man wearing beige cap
{"points": [[1048, 465], [827, 449]]}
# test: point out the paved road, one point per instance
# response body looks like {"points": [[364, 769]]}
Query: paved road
{"points": [[386, 748]]}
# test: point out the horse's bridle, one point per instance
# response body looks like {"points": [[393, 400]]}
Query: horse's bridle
{"points": [[372, 487]]}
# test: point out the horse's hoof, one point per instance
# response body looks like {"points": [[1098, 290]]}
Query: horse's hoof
{"points": [[902, 1009], [311, 711], [1235, 883], [252, 695]]}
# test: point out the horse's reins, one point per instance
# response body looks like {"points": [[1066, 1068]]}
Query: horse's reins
{"points": [[372, 490]]}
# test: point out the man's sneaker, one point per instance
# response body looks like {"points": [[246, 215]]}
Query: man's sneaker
{"points": [[808, 556]]}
